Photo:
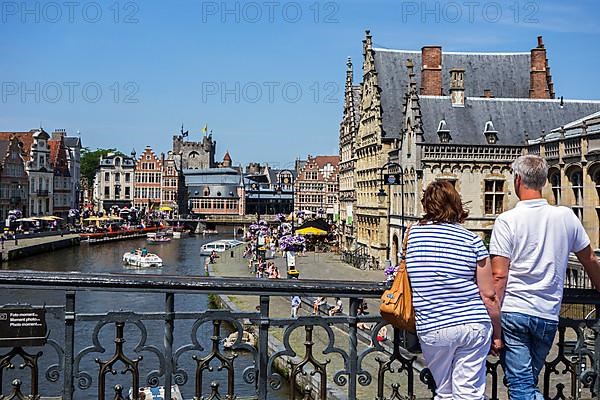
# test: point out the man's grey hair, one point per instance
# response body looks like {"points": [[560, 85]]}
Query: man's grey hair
{"points": [[532, 169]]}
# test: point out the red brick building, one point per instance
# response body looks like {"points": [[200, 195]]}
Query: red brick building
{"points": [[170, 184], [317, 185], [148, 181]]}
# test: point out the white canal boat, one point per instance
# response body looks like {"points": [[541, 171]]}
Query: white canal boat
{"points": [[157, 237], [138, 260], [158, 393]]}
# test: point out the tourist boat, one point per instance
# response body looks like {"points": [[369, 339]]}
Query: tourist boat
{"points": [[116, 235], [157, 238], [158, 393], [142, 261], [247, 338], [179, 233], [219, 246], [210, 232]]}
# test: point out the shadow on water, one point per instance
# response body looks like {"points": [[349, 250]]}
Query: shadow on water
{"points": [[180, 257]]}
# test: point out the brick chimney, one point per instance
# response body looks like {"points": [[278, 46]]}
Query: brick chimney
{"points": [[58, 133], [487, 93], [431, 70], [539, 74], [457, 87]]}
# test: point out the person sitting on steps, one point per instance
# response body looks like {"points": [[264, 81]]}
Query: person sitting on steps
{"points": [[337, 309], [319, 301]]}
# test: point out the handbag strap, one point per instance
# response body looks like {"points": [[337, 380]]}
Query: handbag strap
{"points": [[405, 242]]}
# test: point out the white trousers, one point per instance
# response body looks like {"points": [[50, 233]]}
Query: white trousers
{"points": [[456, 358]]}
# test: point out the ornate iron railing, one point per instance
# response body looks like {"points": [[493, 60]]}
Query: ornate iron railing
{"points": [[379, 370]]}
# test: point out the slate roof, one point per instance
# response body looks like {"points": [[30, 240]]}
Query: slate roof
{"points": [[573, 128], [510, 117], [72, 141], [506, 74], [275, 172], [218, 180], [212, 176]]}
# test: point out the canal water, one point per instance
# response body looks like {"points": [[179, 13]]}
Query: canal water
{"points": [[181, 257]]}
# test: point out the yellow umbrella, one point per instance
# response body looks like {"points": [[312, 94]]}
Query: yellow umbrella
{"points": [[165, 208], [50, 218], [311, 231]]}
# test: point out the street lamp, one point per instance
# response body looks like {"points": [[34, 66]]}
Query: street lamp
{"points": [[256, 187], [287, 180], [391, 179]]}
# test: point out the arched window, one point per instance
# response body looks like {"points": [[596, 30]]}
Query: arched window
{"points": [[596, 178], [576, 179], [555, 183]]}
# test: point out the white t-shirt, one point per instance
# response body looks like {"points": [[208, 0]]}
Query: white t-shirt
{"points": [[537, 238]]}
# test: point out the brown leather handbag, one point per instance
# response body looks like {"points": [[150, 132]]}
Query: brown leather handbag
{"points": [[396, 303]]}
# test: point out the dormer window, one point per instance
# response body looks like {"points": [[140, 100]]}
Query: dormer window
{"points": [[490, 133], [443, 132]]}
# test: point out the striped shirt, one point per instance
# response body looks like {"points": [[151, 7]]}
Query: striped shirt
{"points": [[441, 260]]}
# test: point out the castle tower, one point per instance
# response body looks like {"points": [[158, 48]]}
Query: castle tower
{"points": [[227, 160]]}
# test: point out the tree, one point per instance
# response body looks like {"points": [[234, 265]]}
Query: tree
{"points": [[90, 161]]}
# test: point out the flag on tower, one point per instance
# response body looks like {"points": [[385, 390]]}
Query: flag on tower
{"points": [[205, 129]]}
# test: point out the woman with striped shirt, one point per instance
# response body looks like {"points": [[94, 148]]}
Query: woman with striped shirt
{"points": [[453, 295]]}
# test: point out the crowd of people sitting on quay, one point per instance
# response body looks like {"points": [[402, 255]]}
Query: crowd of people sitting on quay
{"points": [[264, 269]]}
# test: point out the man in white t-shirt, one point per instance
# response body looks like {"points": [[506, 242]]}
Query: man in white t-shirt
{"points": [[530, 247]]}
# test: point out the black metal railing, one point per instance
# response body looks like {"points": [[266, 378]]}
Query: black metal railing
{"points": [[183, 345]]}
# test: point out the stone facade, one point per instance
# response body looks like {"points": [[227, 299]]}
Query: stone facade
{"points": [[215, 191], [470, 142], [572, 152], [170, 183], [430, 115], [348, 132], [195, 155], [372, 148], [41, 176], [113, 184]]}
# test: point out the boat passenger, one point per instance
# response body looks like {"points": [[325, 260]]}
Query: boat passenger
{"points": [[144, 252]]}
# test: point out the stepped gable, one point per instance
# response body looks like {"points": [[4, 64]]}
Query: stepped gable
{"points": [[26, 138]]}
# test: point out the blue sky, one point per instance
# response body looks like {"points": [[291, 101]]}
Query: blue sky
{"points": [[266, 76]]}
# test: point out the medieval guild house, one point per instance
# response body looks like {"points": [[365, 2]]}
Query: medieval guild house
{"points": [[458, 116]]}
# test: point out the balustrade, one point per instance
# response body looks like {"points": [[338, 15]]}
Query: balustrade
{"points": [[167, 348]]}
